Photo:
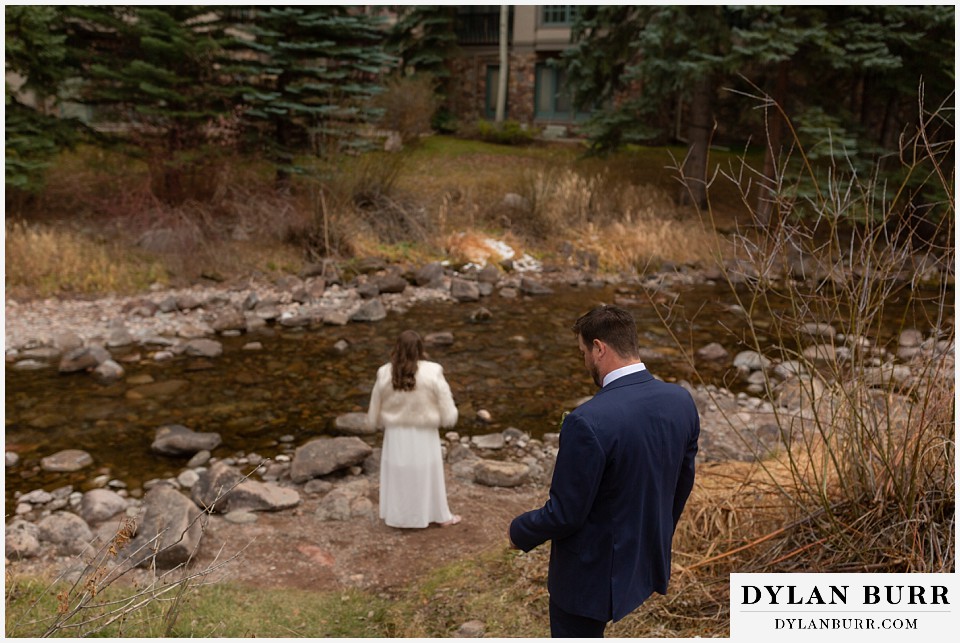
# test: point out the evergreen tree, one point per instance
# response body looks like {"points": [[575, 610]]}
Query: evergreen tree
{"points": [[153, 71], [825, 66], [34, 53], [310, 72]]}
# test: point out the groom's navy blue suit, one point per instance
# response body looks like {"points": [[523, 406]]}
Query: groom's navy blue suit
{"points": [[623, 474]]}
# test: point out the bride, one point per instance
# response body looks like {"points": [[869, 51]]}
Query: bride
{"points": [[411, 400]]}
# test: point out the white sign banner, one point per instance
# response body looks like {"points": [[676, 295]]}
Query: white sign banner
{"points": [[847, 607]]}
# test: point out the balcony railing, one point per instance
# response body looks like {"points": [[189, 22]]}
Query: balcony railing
{"points": [[481, 28]]}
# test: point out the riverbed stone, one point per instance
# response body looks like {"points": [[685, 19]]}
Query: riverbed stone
{"points": [[11, 459], [751, 361], [67, 531], [108, 372], [464, 291], [177, 440], [98, 505], [66, 461], [354, 424], [36, 497], [529, 286], [442, 338], [372, 310], [496, 473], [83, 358], [345, 501], [392, 283], [818, 331], [712, 352], [489, 441], [170, 525], [430, 276], [229, 319], [222, 489], [325, 455], [22, 540], [67, 340], [910, 338], [203, 348], [199, 459]]}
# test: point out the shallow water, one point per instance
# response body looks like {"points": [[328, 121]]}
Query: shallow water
{"points": [[522, 366]]}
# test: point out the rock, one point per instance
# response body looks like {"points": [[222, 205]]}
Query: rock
{"points": [[712, 352], [489, 441], [489, 275], [98, 505], [325, 455], [790, 368], [229, 319], [11, 459], [529, 286], [368, 290], [186, 479], [798, 393], [346, 501], [481, 315], [353, 424], [83, 358], [223, 489], [438, 339], [36, 497], [67, 341], [67, 531], [370, 311], [170, 525], [203, 348], [826, 353], [336, 318], [199, 459], [464, 291], [118, 336], [369, 265], [751, 361], [430, 276], [471, 630], [392, 284], [176, 440], [818, 331], [911, 338], [108, 372], [66, 460], [494, 473], [22, 540]]}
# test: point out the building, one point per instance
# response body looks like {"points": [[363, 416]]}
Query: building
{"points": [[536, 92]]}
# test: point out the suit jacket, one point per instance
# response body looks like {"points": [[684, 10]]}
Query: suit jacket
{"points": [[624, 470]]}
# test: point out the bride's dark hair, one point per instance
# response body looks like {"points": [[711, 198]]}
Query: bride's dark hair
{"points": [[406, 353]]}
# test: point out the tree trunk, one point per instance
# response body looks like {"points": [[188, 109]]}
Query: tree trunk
{"points": [[698, 141], [504, 62]]}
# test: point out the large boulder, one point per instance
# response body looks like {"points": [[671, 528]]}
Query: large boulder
{"points": [[98, 505], [67, 531], [223, 489], [326, 455], [203, 348], [176, 439], [463, 290], [83, 358], [169, 532], [371, 310]]}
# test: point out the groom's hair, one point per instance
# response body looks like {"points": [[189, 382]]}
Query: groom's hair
{"points": [[612, 325]]}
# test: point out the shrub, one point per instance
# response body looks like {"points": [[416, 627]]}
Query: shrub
{"points": [[505, 133]]}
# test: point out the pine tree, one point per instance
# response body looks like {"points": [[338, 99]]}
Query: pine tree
{"points": [[310, 74], [153, 71], [35, 52]]}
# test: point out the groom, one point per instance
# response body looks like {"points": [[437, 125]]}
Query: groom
{"points": [[623, 474]]}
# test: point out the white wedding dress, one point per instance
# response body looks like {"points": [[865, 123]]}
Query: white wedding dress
{"points": [[412, 489]]}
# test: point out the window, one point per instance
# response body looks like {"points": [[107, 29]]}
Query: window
{"points": [[493, 85], [552, 99], [559, 14]]}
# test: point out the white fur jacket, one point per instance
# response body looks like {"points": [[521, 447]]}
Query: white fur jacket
{"points": [[429, 405]]}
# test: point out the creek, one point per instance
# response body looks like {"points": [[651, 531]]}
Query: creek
{"points": [[522, 366]]}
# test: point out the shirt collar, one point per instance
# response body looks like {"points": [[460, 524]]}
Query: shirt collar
{"points": [[623, 370]]}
